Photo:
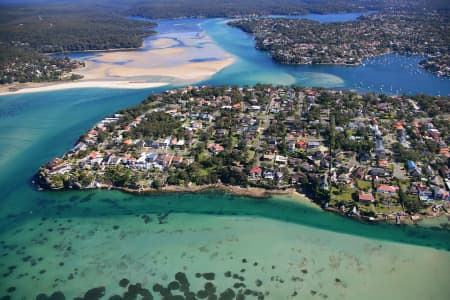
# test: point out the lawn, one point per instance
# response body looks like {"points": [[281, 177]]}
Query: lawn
{"points": [[364, 185], [345, 196]]}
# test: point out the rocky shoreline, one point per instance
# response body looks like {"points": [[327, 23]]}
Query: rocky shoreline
{"points": [[260, 193]]}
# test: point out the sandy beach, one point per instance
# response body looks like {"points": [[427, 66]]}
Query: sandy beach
{"points": [[64, 85], [165, 62]]}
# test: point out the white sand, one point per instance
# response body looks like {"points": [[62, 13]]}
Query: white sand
{"points": [[163, 43], [46, 87], [140, 69]]}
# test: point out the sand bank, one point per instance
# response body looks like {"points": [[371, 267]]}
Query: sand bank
{"points": [[56, 86], [161, 65], [163, 43]]}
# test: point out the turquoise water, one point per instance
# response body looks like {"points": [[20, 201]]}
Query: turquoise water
{"points": [[390, 74], [282, 248]]}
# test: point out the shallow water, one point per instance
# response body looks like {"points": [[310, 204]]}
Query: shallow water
{"points": [[102, 237], [389, 74], [75, 241]]}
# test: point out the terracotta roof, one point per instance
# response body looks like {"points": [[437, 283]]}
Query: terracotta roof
{"points": [[366, 197], [256, 170], [387, 188]]}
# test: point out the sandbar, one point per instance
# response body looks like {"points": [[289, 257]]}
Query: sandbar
{"points": [[174, 59], [163, 43], [25, 88]]}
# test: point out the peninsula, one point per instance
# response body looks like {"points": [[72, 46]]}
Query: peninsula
{"points": [[299, 41], [368, 155], [28, 34]]}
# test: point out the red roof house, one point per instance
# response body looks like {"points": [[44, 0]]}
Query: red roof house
{"points": [[366, 197], [387, 189]]}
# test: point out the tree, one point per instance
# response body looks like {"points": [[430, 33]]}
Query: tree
{"points": [[411, 203], [156, 184]]}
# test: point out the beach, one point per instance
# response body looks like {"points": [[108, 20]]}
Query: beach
{"points": [[33, 87], [167, 59]]}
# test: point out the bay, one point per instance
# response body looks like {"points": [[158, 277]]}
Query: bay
{"points": [[288, 248]]}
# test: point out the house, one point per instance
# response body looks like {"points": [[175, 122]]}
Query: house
{"points": [[220, 133], [443, 149], [165, 142], [348, 168], [387, 189], [165, 160], [268, 174], [305, 167], [236, 106], [298, 178], [359, 173], [254, 108], [78, 147], [281, 160], [324, 164], [364, 157], [424, 193], [365, 197], [445, 172], [112, 160], [379, 172], [434, 133], [313, 145], [279, 175], [268, 157], [151, 157], [215, 148], [441, 194], [95, 154], [54, 163], [413, 169], [379, 145], [344, 178], [256, 172], [301, 144], [410, 165], [324, 182], [177, 160], [180, 144]]}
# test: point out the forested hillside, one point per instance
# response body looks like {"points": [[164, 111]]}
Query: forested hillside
{"points": [[29, 31]]}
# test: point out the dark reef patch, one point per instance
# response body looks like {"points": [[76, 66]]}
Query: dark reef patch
{"points": [[176, 289]]}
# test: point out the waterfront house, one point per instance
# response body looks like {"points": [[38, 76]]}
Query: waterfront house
{"points": [[387, 189], [255, 172], [424, 193], [268, 174], [441, 194], [365, 197]]}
